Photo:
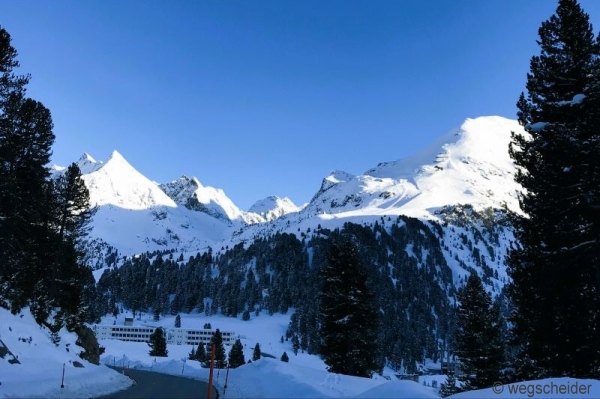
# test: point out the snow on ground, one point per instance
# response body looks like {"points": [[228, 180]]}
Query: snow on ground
{"points": [[263, 329], [39, 371], [305, 376], [41, 363]]}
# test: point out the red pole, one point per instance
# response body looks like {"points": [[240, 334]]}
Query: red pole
{"points": [[62, 382], [210, 375]]}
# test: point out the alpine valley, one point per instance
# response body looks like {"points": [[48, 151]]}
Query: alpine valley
{"points": [[422, 225]]}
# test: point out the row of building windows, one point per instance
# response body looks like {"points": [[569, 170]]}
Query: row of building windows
{"points": [[122, 335], [147, 330], [207, 333]]}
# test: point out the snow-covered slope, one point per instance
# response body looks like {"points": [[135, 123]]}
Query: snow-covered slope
{"points": [[34, 365], [469, 165], [274, 207]]}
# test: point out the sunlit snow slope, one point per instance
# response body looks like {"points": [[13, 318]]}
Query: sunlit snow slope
{"points": [[469, 165]]}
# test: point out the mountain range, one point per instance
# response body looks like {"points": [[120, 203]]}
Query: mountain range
{"points": [[468, 166]]}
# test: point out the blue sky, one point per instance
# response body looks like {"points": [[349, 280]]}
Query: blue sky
{"points": [[267, 97]]}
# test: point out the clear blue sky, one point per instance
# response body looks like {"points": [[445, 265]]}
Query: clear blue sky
{"points": [[267, 97]]}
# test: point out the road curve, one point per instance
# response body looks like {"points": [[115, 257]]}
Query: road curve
{"points": [[151, 385]]}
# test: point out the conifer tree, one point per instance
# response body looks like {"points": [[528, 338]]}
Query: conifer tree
{"points": [[192, 354], [42, 221], [285, 358], [158, 343], [554, 269], [478, 340], [217, 340], [448, 388], [347, 307], [256, 352], [71, 282], [295, 344], [201, 353], [236, 355], [178, 321], [26, 138]]}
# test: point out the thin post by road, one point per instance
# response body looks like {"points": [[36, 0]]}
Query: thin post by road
{"points": [[210, 375]]}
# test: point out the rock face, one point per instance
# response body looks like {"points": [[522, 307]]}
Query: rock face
{"points": [[4, 352], [91, 349]]}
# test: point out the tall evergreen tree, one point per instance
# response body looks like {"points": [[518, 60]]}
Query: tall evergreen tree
{"points": [[236, 355], [478, 340], [26, 138], [158, 343], [347, 307], [555, 268], [42, 221], [201, 354], [192, 354], [71, 281], [178, 321], [217, 340]]}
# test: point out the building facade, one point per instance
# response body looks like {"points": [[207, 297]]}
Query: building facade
{"points": [[176, 336]]}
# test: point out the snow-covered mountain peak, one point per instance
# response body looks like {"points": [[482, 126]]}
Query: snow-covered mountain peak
{"points": [[485, 138], [338, 176], [333, 178], [468, 165], [87, 164], [274, 207], [116, 182], [190, 193]]}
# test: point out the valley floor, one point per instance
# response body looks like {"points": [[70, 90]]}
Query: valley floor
{"points": [[39, 371]]}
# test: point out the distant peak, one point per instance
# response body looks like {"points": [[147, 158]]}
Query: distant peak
{"points": [[273, 207], [87, 164], [86, 158], [185, 179], [338, 176], [116, 156]]}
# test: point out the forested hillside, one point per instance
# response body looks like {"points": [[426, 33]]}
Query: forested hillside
{"points": [[410, 265]]}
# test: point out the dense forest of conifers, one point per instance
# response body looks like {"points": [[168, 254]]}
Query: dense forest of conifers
{"points": [[279, 274]]}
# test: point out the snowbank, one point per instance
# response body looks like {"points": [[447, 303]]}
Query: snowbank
{"points": [[39, 370], [305, 376]]}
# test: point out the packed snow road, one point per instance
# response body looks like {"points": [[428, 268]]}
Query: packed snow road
{"points": [[156, 385]]}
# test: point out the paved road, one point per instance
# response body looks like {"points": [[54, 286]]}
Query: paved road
{"points": [[156, 385]]}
